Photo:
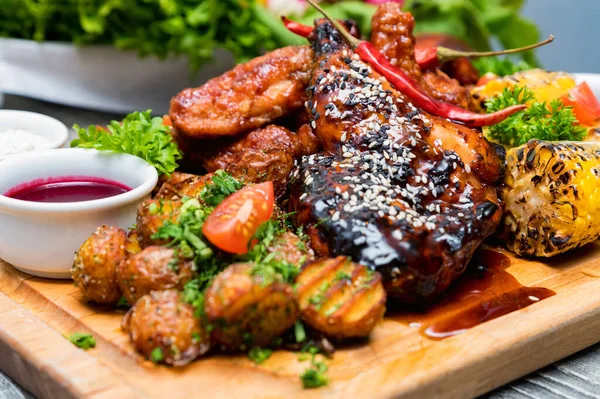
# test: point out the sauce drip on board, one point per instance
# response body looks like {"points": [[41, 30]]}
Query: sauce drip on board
{"points": [[67, 189], [485, 291]]}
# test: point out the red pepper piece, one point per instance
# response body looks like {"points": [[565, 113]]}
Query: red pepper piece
{"points": [[407, 86], [431, 57], [296, 27]]}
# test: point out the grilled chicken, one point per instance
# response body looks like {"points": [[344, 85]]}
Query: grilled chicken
{"points": [[401, 191], [249, 96], [392, 34], [263, 154]]}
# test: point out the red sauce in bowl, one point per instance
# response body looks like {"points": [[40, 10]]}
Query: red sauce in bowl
{"points": [[67, 189]]}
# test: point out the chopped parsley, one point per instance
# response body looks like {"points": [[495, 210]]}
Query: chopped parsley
{"points": [[186, 235], [342, 275], [122, 304], [223, 185], [138, 134], [539, 121], [299, 332], [314, 376], [319, 298], [258, 355], [83, 340], [157, 355]]}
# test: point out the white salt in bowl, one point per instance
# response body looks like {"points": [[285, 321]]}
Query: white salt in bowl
{"points": [[41, 125]]}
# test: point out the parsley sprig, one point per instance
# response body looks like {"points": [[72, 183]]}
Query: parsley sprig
{"points": [[138, 134], [541, 121]]}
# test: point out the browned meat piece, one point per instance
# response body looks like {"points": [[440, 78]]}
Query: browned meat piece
{"points": [[392, 34], [401, 191], [249, 96], [460, 69], [261, 155], [162, 327]]}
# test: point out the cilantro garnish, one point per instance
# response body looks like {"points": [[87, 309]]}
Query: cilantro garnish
{"points": [[138, 134], [539, 121], [259, 355], [83, 340]]}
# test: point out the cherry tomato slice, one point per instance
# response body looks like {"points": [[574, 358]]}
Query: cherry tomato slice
{"points": [[235, 220], [585, 104]]}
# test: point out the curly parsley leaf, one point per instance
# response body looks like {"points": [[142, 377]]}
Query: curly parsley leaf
{"points": [[541, 121], [83, 340], [138, 134]]}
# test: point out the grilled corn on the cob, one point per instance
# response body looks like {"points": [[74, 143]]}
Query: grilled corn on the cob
{"points": [[552, 197]]}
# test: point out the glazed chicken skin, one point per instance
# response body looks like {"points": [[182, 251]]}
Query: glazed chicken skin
{"points": [[392, 34], [401, 191], [265, 154], [249, 96]]}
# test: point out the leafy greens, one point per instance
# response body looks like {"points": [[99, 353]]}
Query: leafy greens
{"points": [[246, 28], [138, 134], [538, 121]]}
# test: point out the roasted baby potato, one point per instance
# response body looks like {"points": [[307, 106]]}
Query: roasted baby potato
{"points": [[163, 328], [340, 298], [95, 264], [290, 248], [153, 269], [189, 187], [151, 215], [247, 309]]}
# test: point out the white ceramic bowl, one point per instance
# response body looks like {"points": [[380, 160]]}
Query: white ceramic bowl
{"points": [[41, 238], [42, 125]]}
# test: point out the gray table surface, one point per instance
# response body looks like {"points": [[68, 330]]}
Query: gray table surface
{"points": [[575, 377]]}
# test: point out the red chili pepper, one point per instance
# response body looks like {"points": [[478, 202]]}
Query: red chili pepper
{"points": [[407, 86], [296, 27], [431, 57]]}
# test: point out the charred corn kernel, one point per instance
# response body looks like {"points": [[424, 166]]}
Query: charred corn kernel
{"points": [[545, 85], [551, 196]]}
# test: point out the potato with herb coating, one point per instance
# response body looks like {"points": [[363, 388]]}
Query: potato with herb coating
{"points": [[151, 215], [340, 298], [189, 187], [247, 308], [153, 269], [164, 329], [288, 247], [95, 264]]}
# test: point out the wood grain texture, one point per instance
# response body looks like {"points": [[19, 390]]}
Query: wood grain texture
{"points": [[398, 362]]}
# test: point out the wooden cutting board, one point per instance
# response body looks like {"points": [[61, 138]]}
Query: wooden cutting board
{"points": [[398, 361]]}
